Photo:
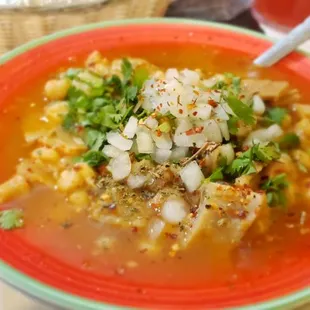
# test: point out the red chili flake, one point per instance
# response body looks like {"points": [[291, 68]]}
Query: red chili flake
{"points": [[103, 170], [245, 148], [79, 128], [202, 163], [242, 96], [134, 229], [212, 103], [180, 111], [190, 132], [161, 105], [171, 236], [199, 129], [158, 133], [195, 113], [155, 205]]}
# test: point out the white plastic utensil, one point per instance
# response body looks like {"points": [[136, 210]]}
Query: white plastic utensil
{"points": [[297, 36]]}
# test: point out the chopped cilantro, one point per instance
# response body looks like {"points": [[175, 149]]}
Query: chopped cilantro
{"points": [[241, 110], [220, 84], [266, 152], [235, 82], [69, 121], [289, 141], [165, 127], [126, 70], [233, 125], [217, 175], [131, 93], [92, 158], [140, 75], [276, 115], [142, 156], [10, 219], [95, 139], [245, 163], [275, 190]]}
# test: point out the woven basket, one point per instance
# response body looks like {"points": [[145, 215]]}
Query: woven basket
{"points": [[19, 26]]}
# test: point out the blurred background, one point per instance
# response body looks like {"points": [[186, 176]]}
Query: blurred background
{"points": [[24, 20]]}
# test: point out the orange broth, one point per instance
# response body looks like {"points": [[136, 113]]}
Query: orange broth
{"points": [[47, 210]]}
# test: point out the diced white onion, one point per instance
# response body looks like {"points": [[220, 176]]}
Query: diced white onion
{"points": [[156, 228], [224, 130], [161, 155], [111, 151], [136, 181], [183, 125], [179, 153], [173, 210], [172, 74], [209, 82], [216, 96], [145, 142], [184, 140], [227, 151], [213, 131], [201, 111], [189, 77], [264, 135], [131, 127], [163, 141], [151, 122], [258, 105], [117, 140], [221, 113], [120, 166], [192, 176]]}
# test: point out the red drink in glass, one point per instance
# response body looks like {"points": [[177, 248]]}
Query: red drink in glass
{"points": [[281, 14]]}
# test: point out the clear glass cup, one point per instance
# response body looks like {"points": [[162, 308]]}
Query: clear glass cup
{"points": [[282, 15], [277, 17]]}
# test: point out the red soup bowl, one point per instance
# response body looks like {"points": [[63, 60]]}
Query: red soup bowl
{"points": [[279, 283]]}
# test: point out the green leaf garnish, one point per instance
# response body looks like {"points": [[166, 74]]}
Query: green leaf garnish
{"points": [[217, 175], [10, 219], [142, 156], [165, 127], [233, 125], [289, 141], [245, 163], [276, 115], [275, 190], [126, 70], [140, 75], [92, 158], [241, 110], [95, 139]]}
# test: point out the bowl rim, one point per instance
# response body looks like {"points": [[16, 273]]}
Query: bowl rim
{"points": [[41, 291]]}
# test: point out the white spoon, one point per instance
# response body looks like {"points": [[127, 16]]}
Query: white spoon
{"points": [[283, 47]]}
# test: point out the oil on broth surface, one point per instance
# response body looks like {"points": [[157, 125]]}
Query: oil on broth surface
{"points": [[53, 225]]}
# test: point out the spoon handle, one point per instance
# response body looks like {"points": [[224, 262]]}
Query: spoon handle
{"points": [[283, 47]]}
